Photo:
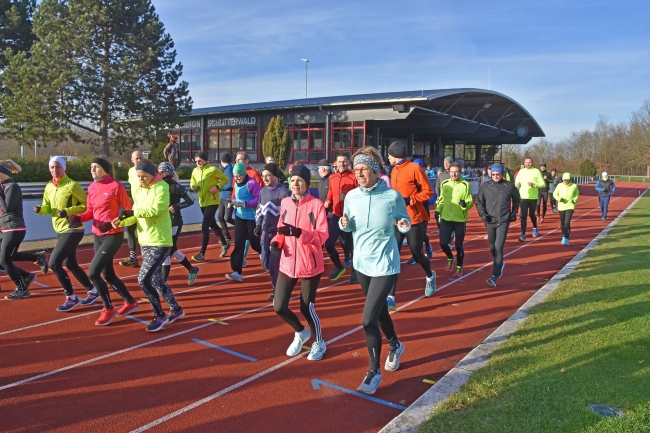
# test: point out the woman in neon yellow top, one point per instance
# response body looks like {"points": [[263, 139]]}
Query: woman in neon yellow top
{"points": [[566, 194]]}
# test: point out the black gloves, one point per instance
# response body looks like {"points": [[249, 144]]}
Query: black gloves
{"points": [[74, 220], [488, 219], [436, 215], [275, 249], [289, 230], [513, 216], [407, 201], [62, 213], [258, 231], [462, 203], [105, 227], [126, 214]]}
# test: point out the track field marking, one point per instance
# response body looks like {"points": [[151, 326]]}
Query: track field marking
{"points": [[316, 384], [223, 349]]}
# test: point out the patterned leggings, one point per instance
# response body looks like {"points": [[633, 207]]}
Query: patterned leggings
{"points": [[152, 281]]}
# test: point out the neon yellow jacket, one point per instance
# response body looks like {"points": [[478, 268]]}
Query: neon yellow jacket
{"points": [[133, 181], [67, 195], [532, 175], [451, 193], [566, 196], [206, 177], [151, 214]]}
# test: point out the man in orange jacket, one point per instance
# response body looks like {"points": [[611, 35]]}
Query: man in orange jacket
{"points": [[410, 180]]}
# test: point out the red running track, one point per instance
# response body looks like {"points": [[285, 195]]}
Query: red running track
{"points": [[60, 372]]}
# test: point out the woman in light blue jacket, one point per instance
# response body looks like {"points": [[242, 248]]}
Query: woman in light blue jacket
{"points": [[371, 212]]}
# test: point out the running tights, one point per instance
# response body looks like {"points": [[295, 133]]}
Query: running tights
{"points": [[527, 206], [415, 239], [330, 244], [497, 234], [565, 222], [542, 203], [446, 229], [244, 231], [102, 264], [65, 253], [8, 253], [308, 287], [152, 281], [604, 206], [224, 214], [209, 222]]}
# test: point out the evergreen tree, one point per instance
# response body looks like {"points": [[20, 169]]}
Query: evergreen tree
{"points": [[277, 142], [105, 67], [588, 168]]}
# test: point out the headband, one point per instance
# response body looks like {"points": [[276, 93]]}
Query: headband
{"points": [[365, 159], [149, 168]]}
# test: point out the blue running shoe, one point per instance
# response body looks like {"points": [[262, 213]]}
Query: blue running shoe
{"points": [[411, 261], [69, 304], [429, 251], [391, 303], [535, 232], [90, 298], [563, 240], [347, 262], [157, 323]]}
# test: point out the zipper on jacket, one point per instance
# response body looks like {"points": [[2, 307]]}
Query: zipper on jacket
{"points": [[295, 246]]}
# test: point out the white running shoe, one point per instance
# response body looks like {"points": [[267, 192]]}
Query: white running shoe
{"points": [[430, 286], [235, 276], [318, 349], [392, 362], [370, 383], [298, 340]]}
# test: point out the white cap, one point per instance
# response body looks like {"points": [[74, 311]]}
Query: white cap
{"points": [[605, 174], [59, 160]]}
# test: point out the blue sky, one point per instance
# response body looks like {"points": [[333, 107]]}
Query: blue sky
{"points": [[567, 62]]}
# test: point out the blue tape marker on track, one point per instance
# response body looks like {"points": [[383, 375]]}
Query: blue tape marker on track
{"points": [[316, 383], [214, 346], [137, 319]]}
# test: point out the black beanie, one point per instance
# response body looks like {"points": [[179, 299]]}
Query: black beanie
{"points": [[397, 149], [226, 158], [148, 168], [272, 168], [201, 154], [103, 163], [302, 171]]}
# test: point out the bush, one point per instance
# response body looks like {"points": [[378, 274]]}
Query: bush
{"points": [[588, 168]]}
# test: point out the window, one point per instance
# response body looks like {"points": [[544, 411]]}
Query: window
{"points": [[190, 142], [231, 140], [347, 137], [308, 142]]}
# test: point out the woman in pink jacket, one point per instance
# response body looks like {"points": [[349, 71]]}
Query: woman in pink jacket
{"points": [[302, 231], [105, 196]]}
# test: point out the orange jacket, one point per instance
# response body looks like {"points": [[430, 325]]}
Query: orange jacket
{"points": [[410, 180], [340, 183]]}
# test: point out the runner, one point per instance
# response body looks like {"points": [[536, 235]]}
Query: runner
{"points": [[555, 179], [224, 214], [427, 205], [443, 174], [542, 201], [452, 208], [325, 171], [372, 213], [131, 237], [177, 192], [207, 180], [528, 180], [12, 233], [270, 159], [266, 219], [566, 195], [341, 182], [497, 203], [105, 197], [242, 157], [413, 184], [606, 188], [247, 195], [302, 231], [63, 197], [151, 215]]}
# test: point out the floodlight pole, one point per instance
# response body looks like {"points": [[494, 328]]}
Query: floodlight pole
{"points": [[306, 72]]}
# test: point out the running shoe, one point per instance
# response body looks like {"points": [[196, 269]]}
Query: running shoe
{"points": [[317, 351], [69, 304], [370, 383], [390, 301], [191, 276], [90, 297], [235, 276], [243, 263], [411, 261], [451, 263], [603, 219], [429, 251], [128, 308], [430, 286], [492, 281], [133, 263], [18, 294], [175, 315], [336, 274], [224, 248], [157, 324], [42, 262], [522, 238], [29, 280], [503, 266], [535, 232], [394, 355], [563, 240], [271, 296], [298, 340], [106, 316], [353, 277], [554, 209], [199, 258], [347, 262], [459, 272], [566, 242]]}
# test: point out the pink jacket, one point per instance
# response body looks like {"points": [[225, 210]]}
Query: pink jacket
{"points": [[104, 200], [302, 257]]}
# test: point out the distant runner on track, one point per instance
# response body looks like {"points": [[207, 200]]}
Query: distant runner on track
{"points": [[606, 188], [566, 195]]}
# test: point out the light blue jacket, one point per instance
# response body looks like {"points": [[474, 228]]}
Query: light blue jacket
{"points": [[372, 217]]}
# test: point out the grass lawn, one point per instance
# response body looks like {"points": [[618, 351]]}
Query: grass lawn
{"points": [[588, 343]]}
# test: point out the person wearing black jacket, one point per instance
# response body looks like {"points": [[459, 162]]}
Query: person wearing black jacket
{"points": [[555, 179], [542, 199], [497, 203]]}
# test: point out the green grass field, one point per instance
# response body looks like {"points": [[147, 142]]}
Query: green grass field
{"points": [[588, 343]]}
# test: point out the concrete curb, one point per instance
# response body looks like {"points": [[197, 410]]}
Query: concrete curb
{"points": [[421, 409]]}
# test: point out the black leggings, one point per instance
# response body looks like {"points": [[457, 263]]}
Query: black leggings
{"points": [[132, 237], [308, 290], [65, 252], [209, 222], [446, 229], [375, 314], [9, 252], [497, 234], [224, 214], [414, 238], [330, 244], [565, 222], [152, 281], [102, 264], [244, 231], [542, 203], [525, 207]]}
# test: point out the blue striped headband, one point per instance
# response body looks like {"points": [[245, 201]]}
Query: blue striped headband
{"points": [[365, 159]]}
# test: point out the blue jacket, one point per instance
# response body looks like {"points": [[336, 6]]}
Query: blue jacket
{"points": [[605, 187], [372, 217], [249, 194], [226, 192], [268, 211]]}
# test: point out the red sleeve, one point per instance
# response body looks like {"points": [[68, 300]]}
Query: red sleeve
{"points": [[233, 191], [123, 197]]}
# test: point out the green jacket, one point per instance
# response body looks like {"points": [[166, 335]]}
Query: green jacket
{"points": [[207, 177], [451, 193], [133, 181], [151, 214], [67, 195], [566, 196], [534, 176]]}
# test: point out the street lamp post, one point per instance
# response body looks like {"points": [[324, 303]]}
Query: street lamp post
{"points": [[306, 71]]}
